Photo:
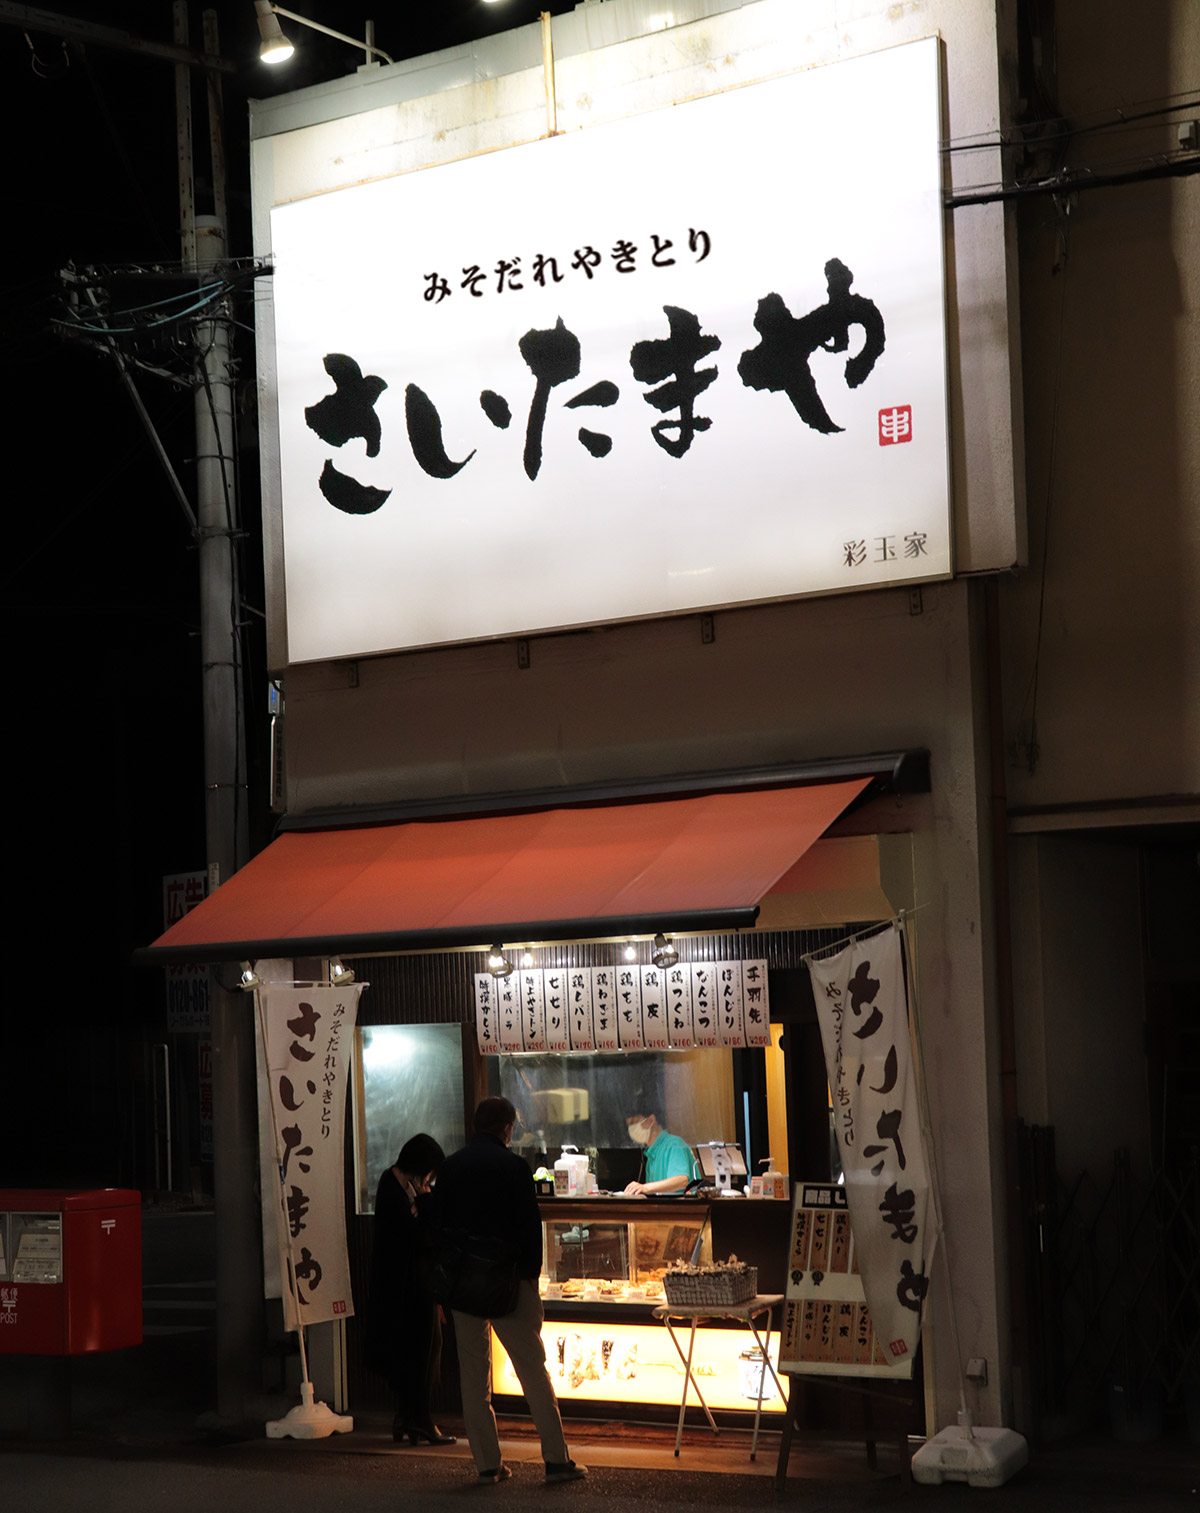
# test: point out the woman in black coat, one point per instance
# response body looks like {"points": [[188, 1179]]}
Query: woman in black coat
{"points": [[404, 1337]]}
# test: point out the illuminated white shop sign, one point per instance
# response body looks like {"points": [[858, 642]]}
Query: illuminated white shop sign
{"points": [[693, 358]]}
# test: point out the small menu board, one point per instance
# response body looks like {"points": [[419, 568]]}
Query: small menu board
{"points": [[826, 1327], [38, 1248]]}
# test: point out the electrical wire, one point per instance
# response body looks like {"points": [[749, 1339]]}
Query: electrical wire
{"points": [[1031, 697], [218, 293], [1064, 130]]}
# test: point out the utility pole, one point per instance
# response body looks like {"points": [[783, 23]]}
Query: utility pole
{"points": [[240, 1306]]}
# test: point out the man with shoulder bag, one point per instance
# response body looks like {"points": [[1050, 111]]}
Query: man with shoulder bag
{"points": [[488, 1214]]}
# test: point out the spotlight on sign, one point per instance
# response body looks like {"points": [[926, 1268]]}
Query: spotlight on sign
{"points": [[499, 964], [273, 47], [249, 979], [339, 976], [665, 954]]}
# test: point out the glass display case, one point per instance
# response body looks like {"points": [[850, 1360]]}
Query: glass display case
{"points": [[612, 1252]]}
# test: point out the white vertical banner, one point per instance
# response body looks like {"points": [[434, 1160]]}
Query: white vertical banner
{"points": [[756, 1003], [629, 1008], [654, 1009], [487, 1026], [863, 1012], [533, 1009], [604, 1008], [704, 1004], [309, 1032], [730, 1024], [679, 1005], [556, 987], [579, 1010], [508, 1012]]}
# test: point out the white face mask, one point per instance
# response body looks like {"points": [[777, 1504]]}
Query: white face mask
{"points": [[639, 1131]]}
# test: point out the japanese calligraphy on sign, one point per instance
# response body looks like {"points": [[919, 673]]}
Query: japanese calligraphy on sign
{"points": [[188, 1008], [623, 1008], [827, 1329], [555, 351], [309, 1033], [863, 1013]]}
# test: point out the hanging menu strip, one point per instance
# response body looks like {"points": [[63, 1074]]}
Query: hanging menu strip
{"points": [[624, 1008]]}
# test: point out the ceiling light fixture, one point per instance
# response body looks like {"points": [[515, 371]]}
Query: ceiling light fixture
{"points": [[665, 954], [499, 964]]}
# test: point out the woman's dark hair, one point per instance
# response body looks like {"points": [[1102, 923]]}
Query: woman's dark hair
{"points": [[420, 1155]]}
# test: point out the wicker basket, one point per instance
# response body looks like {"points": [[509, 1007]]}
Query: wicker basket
{"points": [[720, 1289]]}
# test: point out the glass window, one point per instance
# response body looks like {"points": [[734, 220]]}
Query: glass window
{"points": [[410, 1082], [584, 1101]]}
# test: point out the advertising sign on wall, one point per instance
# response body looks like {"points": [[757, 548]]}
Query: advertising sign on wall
{"points": [[688, 359]]}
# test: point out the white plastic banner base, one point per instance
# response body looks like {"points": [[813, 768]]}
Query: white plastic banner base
{"points": [[980, 1457], [309, 1420]]}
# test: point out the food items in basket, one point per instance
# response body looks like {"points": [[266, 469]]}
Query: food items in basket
{"points": [[722, 1284]]}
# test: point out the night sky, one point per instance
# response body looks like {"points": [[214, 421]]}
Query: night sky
{"points": [[100, 579]]}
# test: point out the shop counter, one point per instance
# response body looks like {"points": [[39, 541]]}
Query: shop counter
{"points": [[603, 1261]]}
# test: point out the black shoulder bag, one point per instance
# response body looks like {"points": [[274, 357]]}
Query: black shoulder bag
{"points": [[476, 1274]]}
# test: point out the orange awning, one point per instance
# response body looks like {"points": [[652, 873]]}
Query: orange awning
{"points": [[698, 863]]}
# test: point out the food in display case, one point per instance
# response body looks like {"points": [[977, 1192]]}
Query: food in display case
{"points": [[607, 1261], [631, 1362]]}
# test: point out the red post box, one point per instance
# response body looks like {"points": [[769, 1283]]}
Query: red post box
{"points": [[70, 1270]]}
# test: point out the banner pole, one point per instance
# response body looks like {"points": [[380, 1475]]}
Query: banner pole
{"points": [[935, 1187]]}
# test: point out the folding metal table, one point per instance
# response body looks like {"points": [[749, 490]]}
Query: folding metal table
{"points": [[755, 1308]]}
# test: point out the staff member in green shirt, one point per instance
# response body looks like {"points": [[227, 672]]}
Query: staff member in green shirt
{"points": [[670, 1165]]}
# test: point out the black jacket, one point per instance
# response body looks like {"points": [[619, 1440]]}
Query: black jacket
{"points": [[486, 1189], [402, 1324]]}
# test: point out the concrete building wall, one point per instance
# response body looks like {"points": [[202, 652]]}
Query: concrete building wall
{"points": [[1101, 636], [1110, 287], [1080, 1000], [781, 682]]}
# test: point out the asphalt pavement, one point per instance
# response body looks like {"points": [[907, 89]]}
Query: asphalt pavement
{"points": [[148, 1465], [142, 1437]]}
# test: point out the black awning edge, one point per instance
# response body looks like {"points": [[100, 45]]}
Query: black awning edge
{"points": [[390, 943], [889, 771]]}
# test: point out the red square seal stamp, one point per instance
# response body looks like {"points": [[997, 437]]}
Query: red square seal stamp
{"points": [[895, 425]]}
